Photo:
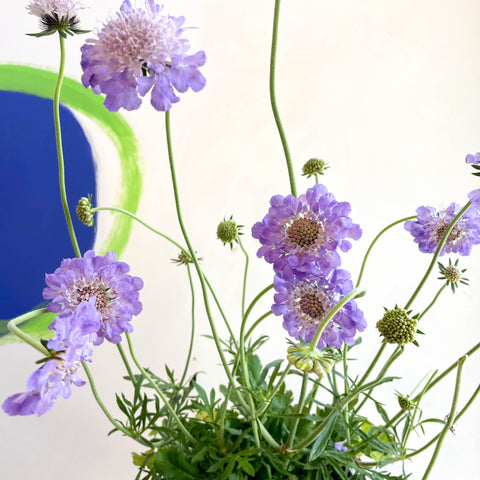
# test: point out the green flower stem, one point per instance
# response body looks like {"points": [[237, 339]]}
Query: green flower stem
{"points": [[272, 394], [299, 410], [372, 364], [192, 332], [268, 438], [117, 425], [125, 362], [145, 224], [273, 100], [255, 300], [257, 323], [12, 327], [435, 439], [365, 258], [450, 420], [220, 309], [149, 379], [432, 303], [245, 274], [354, 293], [195, 260], [437, 253], [58, 137]]}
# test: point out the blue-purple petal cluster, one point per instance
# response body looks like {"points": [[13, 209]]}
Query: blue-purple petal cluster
{"points": [[138, 51], [431, 225], [473, 159], [303, 238], [74, 335], [304, 303], [116, 293]]}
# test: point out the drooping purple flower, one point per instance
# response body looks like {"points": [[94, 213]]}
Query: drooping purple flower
{"points": [[75, 333], [473, 159], [116, 293], [137, 51], [304, 304], [302, 236], [431, 224]]}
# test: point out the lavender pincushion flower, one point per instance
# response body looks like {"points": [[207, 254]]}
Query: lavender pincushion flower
{"points": [[473, 159], [431, 225], [137, 51], [304, 304], [75, 333], [116, 293], [61, 8], [301, 236]]}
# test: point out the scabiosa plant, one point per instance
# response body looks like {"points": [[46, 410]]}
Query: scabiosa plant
{"points": [[137, 51], [56, 16], [302, 236], [75, 333], [431, 225], [304, 304], [116, 293]]}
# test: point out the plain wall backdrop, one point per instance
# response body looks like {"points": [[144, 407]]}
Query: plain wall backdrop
{"points": [[388, 93]]}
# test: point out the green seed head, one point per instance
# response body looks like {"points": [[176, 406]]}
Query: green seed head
{"points": [[397, 327], [228, 231], [314, 166], [405, 403], [318, 361]]}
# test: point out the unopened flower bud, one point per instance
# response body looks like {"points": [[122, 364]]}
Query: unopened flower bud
{"points": [[396, 326], [405, 403], [318, 361], [84, 211], [452, 274], [314, 166], [228, 231]]}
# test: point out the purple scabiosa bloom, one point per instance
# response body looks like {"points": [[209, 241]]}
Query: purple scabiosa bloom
{"points": [[431, 225], [340, 446], [75, 333], [302, 236], [474, 197], [137, 51], [304, 304], [473, 159], [116, 293]]}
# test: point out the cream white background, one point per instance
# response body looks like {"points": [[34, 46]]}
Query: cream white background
{"points": [[387, 92]]}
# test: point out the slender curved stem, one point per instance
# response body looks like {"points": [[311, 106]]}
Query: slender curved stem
{"points": [[257, 323], [149, 379], [299, 409], [192, 333], [139, 220], [432, 303], [125, 362], [245, 275], [12, 327], [450, 420], [374, 241], [58, 138], [117, 425], [273, 100], [195, 260]]}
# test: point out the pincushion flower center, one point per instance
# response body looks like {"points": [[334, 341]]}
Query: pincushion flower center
{"points": [[311, 305], [441, 228], [304, 232], [102, 294]]}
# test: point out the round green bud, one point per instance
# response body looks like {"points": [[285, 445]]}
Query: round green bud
{"points": [[314, 166], [397, 327], [306, 360], [228, 231], [405, 403], [84, 211]]}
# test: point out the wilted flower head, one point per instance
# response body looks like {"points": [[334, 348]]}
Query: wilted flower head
{"points": [[56, 16], [75, 332], [301, 236], [304, 304], [431, 225], [137, 51], [102, 277]]}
